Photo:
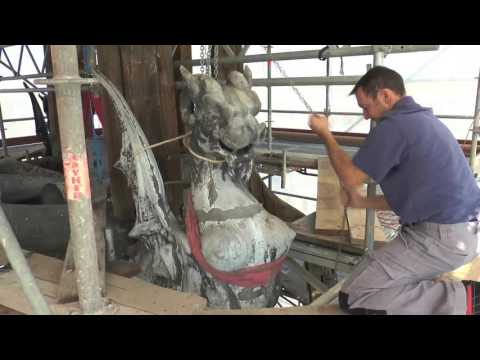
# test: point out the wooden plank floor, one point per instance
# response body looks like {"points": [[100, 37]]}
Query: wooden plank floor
{"points": [[127, 296]]}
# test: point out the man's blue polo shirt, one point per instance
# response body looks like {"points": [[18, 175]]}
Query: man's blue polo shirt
{"points": [[419, 166]]}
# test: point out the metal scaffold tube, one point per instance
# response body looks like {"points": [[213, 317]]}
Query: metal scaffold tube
{"points": [[11, 91], [313, 54], [24, 77], [372, 186], [346, 113], [2, 132], [308, 81], [269, 105], [296, 81], [77, 183], [476, 120], [19, 264]]}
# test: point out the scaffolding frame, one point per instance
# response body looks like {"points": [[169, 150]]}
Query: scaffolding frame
{"points": [[377, 51], [67, 83]]}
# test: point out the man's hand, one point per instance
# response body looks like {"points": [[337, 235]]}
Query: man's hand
{"points": [[319, 124], [351, 198]]}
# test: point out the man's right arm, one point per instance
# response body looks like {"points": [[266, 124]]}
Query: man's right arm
{"points": [[350, 175]]}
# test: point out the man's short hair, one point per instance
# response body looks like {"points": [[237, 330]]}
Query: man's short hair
{"points": [[380, 77]]}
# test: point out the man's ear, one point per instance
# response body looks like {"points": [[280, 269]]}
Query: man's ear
{"points": [[390, 97], [385, 97]]}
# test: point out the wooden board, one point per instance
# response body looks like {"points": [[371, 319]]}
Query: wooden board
{"points": [[12, 297], [7, 311], [305, 229], [140, 295], [356, 220], [330, 218], [330, 215], [133, 293], [470, 271]]}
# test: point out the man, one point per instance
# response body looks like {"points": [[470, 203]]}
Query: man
{"points": [[427, 182]]}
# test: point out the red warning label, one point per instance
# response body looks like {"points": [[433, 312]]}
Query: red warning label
{"points": [[76, 176]]}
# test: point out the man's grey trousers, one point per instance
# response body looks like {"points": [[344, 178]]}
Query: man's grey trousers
{"points": [[400, 277]]}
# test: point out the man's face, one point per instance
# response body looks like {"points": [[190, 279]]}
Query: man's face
{"points": [[372, 108]]}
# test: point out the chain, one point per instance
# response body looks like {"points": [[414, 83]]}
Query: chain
{"points": [[209, 55], [202, 59], [215, 62], [285, 75]]}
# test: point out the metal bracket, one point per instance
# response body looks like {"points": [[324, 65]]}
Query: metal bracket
{"points": [[386, 49], [284, 170]]}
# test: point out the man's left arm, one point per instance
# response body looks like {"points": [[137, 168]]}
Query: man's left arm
{"points": [[351, 198]]}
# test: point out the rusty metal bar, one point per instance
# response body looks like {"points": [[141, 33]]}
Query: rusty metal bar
{"points": [[77, 181], [345, 139]]}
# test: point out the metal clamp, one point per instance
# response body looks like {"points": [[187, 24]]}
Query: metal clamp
{"points": [[386, 49], [321, 52]]}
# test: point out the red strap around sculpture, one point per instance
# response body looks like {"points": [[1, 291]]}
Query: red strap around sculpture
{"points": [[250, 277]]}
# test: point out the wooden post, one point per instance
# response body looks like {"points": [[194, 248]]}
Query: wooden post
{"points": [[110, 64], [145, 76], [52, 115], [183, 52], [169, 153]]}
